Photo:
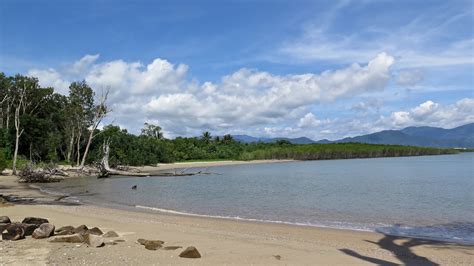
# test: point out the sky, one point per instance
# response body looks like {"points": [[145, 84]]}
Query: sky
{"points": [[320, 69]]}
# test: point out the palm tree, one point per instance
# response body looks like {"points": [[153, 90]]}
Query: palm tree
{"points": [[206, 136]]}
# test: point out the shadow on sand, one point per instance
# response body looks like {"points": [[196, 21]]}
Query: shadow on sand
{"points": [[403, 250]]}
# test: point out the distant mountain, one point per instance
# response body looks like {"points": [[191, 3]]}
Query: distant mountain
{"points": [[459, 137]]}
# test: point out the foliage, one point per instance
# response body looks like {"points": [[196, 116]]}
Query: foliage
{"points": [[3, 160]]}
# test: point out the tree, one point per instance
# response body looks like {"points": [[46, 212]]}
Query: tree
{"points": [[206, 136], [81, 113], [100, 111], [153, 131], [27, 97], [227, 139]]}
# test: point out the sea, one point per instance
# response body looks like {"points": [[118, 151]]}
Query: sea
{"points": [[429, 197]]}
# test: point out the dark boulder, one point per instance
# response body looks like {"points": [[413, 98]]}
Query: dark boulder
{"points": [[34, 220], [4, 220], [13, 232], [43, 231], [29, 228], [191, 253]]}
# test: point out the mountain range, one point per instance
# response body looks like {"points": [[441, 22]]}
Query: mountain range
{"points": [[459, 137]]}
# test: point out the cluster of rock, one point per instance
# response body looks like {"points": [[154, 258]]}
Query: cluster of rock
{"points": [[189, 252], [39, 228]]}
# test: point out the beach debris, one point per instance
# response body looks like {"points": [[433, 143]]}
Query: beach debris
{"points": [[5, 220], [4, 201], [172, 247], [35, 220], [191, 253], [13, 232], [93, 240], [278, 257], [95, 231], [81, 229], [110, 234], [43, 231], [75, 238]]}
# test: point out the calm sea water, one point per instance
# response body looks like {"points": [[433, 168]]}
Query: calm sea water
{"points": [[428, 196]]}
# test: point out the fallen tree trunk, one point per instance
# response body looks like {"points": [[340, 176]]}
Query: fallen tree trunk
{"points": [[105, 170]]}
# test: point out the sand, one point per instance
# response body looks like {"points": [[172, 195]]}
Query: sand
{"points": [[219, 241]]}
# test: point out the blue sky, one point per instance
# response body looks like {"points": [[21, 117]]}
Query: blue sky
{"points": [[322, 69]]}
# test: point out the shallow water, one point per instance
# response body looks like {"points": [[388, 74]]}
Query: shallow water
{"points": [[428, 196]]}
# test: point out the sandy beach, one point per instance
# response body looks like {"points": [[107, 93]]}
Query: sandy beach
{"points": [[219, 241]]}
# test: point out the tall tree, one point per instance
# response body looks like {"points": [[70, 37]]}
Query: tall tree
{"points": [[100, 111], [27, 97], [81, 113]]}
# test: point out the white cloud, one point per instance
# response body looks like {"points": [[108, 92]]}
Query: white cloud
{"points": [[308, 121], [246, 99], [50, 78], [430, 113]]}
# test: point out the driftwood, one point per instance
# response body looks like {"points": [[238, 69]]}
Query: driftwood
{"points": [[106, 171], [30, 174]]}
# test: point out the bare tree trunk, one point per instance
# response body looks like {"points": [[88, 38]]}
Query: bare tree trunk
{"points": [[84, 156], [8, 117], [17, 135], [78, 149], [71, 146]]}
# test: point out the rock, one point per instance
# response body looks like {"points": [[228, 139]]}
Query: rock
{"points": [[144, 241], [13, 232], [43, 231], [152, 245], [64, 233], [172, 247], [190, 252], [3, 227], [94, 240], [81, 229], [34, 220], [29, 228], [7, 172], [75, 238], [65, 228], [5, 220], [278, 257], [110, 234], [95, 231]]}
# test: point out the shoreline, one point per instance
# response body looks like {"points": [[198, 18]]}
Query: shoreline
{"points": [[221, 241]]}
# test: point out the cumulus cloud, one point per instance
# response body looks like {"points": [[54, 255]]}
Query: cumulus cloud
{"points": [[435, 114], [50, 78], [245, 99]]}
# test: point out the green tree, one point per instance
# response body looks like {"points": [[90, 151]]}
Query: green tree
{"points": [[206, 136], [152, 131]]}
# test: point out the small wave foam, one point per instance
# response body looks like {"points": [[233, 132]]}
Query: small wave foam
{"points": [[334, 225]]}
